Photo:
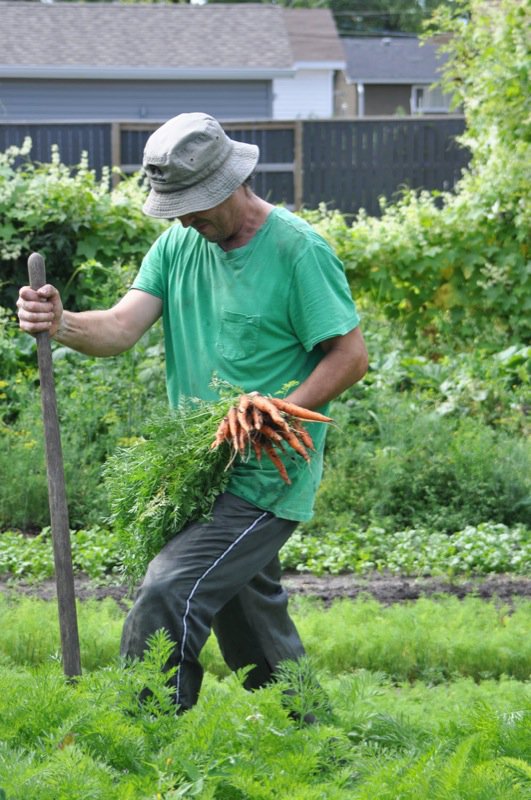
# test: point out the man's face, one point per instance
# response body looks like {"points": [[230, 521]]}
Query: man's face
{"points": [[218, 224]]}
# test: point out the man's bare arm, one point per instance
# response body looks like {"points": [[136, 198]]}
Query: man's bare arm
{"points": [[95, 333], [345, 363]]}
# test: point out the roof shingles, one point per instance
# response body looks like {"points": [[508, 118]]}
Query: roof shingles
{"points": [[168, 36], [392, 60]]}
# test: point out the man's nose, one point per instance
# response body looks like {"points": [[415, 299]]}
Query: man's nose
{"points": [[186, 220]]}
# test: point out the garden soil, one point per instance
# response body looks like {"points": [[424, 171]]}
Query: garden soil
{"points": [[387, 589]]}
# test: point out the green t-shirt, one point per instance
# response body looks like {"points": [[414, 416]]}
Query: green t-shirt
{"points": [[253, 317]]}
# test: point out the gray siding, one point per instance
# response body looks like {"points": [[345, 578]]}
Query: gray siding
{"points": [[35, 100]]}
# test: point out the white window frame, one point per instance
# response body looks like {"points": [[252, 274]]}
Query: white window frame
{"points": [[428, 91]]}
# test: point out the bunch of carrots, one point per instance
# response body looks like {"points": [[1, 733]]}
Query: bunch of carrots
{"points": [[267, 425]]}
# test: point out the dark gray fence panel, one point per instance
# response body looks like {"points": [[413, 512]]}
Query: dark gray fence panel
{"points": [[346, 164], [274, 177], [71, 138], [350, 164], [132, 143]]}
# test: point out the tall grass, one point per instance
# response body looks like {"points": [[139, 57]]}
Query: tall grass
{"points": [[432, 640]]}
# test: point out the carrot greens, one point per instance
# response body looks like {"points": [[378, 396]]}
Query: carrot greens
{"points": [[172, 474], [165, 479]]}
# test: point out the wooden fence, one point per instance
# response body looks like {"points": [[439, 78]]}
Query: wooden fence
{"points": [[346, 164]]}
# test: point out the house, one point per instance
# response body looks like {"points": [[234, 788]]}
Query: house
{"points": [[114, 61], [318, 59], [389, 76]]}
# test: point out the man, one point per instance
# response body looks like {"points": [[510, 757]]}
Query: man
{"points": [[250, 293]]}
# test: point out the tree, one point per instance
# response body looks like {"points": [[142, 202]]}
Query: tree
{"points": [[359, 18], [488, 72], [352, 17]]}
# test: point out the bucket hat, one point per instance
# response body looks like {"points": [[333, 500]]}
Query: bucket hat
{"points": [[192, 165]]}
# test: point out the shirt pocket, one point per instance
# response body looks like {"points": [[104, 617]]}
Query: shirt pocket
{"points": [[238, 335]]}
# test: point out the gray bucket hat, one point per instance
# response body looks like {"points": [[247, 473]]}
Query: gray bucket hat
{"points": [[192, 165]]}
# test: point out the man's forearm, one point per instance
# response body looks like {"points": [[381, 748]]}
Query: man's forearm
{"points": [[94, 333], [344, 364], [328, 380]]}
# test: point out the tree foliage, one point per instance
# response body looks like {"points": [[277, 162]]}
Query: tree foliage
{"points": [[461, 257], [357, 17], [352, 17]]}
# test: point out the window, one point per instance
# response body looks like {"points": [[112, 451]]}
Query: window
{"points": [[429, 100]]}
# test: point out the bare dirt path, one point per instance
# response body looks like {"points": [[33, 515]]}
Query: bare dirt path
{"points": [[384, 588], [394, 588]]}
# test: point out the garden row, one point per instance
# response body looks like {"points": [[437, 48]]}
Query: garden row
{"points": [[428, 700]]}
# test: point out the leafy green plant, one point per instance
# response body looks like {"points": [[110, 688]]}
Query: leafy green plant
{"points": [[429, 640], [444, 420], [395, 464], [166, 478], [95, 553], [468, 736], [92, 238], [101, 404], [483, 550], [31, 631], [474, 551], [26, 557], [446, 260]]}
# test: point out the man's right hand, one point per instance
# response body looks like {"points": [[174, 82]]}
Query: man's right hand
{"points": [[40, 310]]}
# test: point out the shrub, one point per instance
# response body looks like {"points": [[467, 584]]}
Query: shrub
{"points": [[440, 260], [92, 238], [101, 404], [394, 463]]}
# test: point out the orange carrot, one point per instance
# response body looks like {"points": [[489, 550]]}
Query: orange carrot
{"points": [[222, 433], [277, 461], [265, 405], [257, 447], [257, 417], [243, 439], [293, 442], [244, 401], [299, 412], [243, 408], [271, 433], [234, 428], [303, 434]]}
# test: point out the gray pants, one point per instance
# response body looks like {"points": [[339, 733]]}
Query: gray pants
{"points": [[223, 574]]}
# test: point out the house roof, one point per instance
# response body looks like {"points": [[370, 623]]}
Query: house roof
{"points": [[313, 35], [135, 40], [392, 60]]}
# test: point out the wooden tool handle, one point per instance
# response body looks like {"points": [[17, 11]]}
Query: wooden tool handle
{"points": [[62, 549], [36, 271]]}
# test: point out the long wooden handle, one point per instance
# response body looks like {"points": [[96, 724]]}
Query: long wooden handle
{"points": [[64, 572]]}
